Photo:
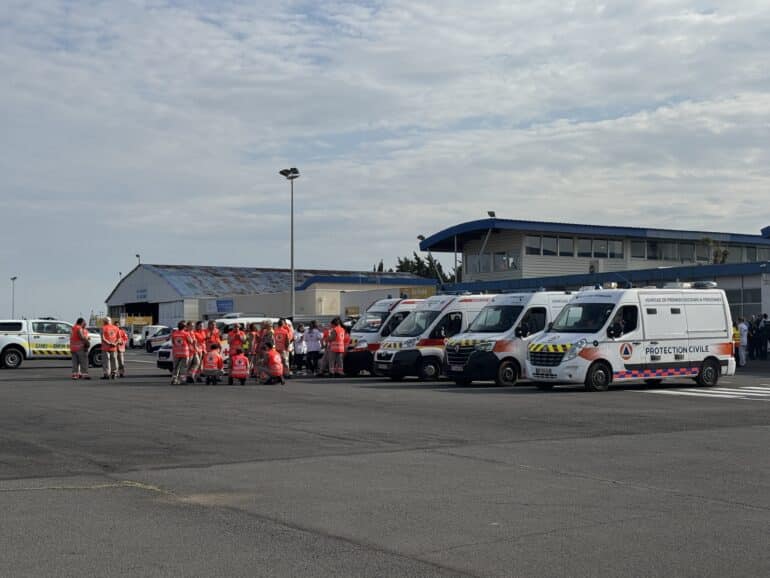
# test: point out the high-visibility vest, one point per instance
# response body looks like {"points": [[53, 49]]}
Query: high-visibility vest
{"points": [[110, 336], [122, 339], [180, 343], [274, 363], [212, 336], [235, 339], [240, 366], [78, 338], [200, 340], [282, 339], [213, 361], [337, 339]]}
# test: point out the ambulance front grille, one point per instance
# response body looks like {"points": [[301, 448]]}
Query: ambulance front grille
{"points": [[460, 355], [545, 358]]}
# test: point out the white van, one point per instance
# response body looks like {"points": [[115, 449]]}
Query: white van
{"points": [[416, 347], [372, 327], [606, 336], [494, 347]]}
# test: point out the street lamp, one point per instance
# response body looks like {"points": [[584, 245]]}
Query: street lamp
{"points": [[290, 175], [491, 214], [13, 296], [138, 259]]}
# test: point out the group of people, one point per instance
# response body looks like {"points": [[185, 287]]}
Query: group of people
{"points": [[267, 352], [752, 336], [114, 342]]}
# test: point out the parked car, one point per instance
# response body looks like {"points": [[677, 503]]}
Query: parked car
{"points": [[22, 339], [158, 338]]}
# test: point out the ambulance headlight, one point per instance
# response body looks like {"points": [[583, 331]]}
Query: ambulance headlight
{"points": [[361, 345], [485, 346], [409, 343], [575, 349]]}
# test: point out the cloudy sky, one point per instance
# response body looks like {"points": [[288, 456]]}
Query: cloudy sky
{"points": [[158, 128]]}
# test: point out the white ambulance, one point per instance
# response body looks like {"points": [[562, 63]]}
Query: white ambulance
{"points": [[416, 347], [605, 336], [377, 323], [494, 347]]}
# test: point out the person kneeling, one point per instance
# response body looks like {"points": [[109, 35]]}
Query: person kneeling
{"points": [[213, 365], [239, 367], [274, 363]]}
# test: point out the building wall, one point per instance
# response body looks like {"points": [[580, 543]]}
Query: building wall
{"points": [[172, 312], [142, 285]]}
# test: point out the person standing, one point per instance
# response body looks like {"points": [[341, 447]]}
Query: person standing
{"points": [[180, 349], [199, 338], [235, 339], [282, 341], [300, 348], [120, 354], [110, 337], [313, 337], [743, 328], [336, 347], [79, 344], [212, 336]]}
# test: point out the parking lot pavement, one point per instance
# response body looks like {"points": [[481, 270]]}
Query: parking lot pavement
{"points": [[362, 477]]}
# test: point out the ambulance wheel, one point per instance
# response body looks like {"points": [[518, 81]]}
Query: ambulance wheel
{"points": [[430, 370], [507, 373], [599, 377], [709, 373], [544, 386], [95, 357], [653, 381]]}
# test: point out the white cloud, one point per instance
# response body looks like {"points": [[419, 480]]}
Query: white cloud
{"points": [[160, 126]]}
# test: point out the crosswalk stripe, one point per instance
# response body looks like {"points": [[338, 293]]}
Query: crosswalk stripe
{"points": [[695, 394], [741, 391]]}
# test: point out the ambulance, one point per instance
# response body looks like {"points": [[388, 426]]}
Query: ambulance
{"points": [[416, 347], [494, 347], [377, 323], [618, 335]]}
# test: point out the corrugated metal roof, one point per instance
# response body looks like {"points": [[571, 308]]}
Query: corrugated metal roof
{"points": [[201, 281]]}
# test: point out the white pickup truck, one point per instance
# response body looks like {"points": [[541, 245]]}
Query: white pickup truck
{"points": [[41, 339]]}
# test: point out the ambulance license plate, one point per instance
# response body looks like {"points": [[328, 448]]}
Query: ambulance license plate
{"points": [[456, 368], [383, 366], [544, 372]]}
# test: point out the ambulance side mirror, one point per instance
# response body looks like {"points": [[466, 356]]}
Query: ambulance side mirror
{"points": [[550, 325], [521, 331], [614, 330]]}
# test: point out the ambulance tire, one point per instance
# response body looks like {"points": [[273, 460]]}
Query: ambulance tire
{"points": [[430, 369], [508, 373], [709, 373], [599, 377], [12, 357], [95, 357]]}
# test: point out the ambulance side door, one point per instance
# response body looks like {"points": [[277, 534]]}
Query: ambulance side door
{"points": [[666, 345], [626, 353]]}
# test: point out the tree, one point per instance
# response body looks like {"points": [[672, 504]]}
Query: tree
{"points": [[429, 267]]}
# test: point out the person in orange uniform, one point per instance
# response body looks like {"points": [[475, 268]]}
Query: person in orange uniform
{"points": [[239, 367], [181, 343], [120, 354], [273, 365], [283, 337], [79, 342], [199, 336], [336, 347], [235, 338], [110, 337], [253, 340], [213, 364], [212, 336]]}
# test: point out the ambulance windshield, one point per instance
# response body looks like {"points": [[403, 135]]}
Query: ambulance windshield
{"points": [[582, 318], [495, 319], [415, 323], [370, 322]]}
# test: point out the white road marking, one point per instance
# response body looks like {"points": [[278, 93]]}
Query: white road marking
{"points": [[751, 393], [141, 361]]}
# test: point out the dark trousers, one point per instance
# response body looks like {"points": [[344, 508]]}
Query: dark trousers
{"points": [[312, 361]]}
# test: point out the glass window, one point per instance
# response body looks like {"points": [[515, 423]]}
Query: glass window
{"points": [[500, 261], [485, 263], [534, 320], [734, 254], [687, 252], [638, 249], [451, 324], [471, 263], [416, 323], [370, 322], [703, 253], [532, 245], [653, 250], [566, 247], [751, 254], [495, 319], [600, 248], [752, 295], [550, 246], [763, 254], [616, 249], [670, 252], [626, 318], [584, 247], [10, 326], [582, 317]]}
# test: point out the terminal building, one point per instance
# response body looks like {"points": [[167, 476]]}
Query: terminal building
{"points": [[509, 255], [166, 294]]}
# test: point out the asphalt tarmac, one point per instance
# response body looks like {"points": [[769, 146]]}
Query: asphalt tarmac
{"points": [[364, 477]]}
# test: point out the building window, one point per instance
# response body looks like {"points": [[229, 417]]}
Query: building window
{"points": [[471, 263], [702, 253], [584, 248], [501, 262], [616, 249], [752, 295], [653, 250], [532, 245], [566, 247], [670, 252], [687, 252], [763, 254], [485, 263], [550, 246], [638, 249], [751, 254], [600, 248], [734, 254]]}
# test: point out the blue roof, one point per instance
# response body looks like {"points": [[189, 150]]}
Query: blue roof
{"points": [[192, 281], [472, 230], [622, 278]]}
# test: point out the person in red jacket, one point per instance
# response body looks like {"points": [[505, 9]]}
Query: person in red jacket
{"points": [[213, 364], [283, 337], [273, 365], [239, 367], [110, 339], [79, 343], [235, 339], [121, 353], [336, 347], [181, 349], [212, 336], [199, 337]]}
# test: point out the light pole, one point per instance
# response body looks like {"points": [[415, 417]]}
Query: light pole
{"points": [[13, 296], [138, 259], [290, 175]]}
